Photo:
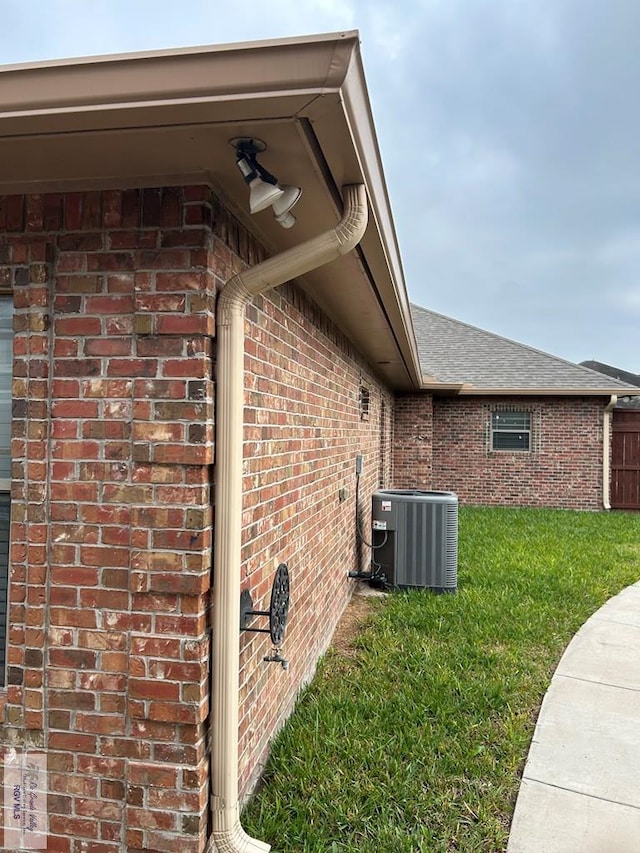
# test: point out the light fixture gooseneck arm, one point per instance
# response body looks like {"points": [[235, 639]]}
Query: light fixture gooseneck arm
{"points": [[248, 164]]}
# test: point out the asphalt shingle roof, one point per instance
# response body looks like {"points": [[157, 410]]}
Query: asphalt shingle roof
{"points": [[616, 372], [625, 402], [452, 352]]}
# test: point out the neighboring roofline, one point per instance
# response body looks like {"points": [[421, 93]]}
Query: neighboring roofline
{"points": [[431, 383], [612, 372], [316, 79]]}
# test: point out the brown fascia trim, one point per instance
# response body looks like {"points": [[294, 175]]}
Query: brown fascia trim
{"points": [[214, 72], [357, 104], [466, 389], [538, 392], [441, 388]]}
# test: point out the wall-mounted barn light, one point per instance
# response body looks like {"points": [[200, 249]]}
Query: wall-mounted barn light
{"points": [[264, 189]]}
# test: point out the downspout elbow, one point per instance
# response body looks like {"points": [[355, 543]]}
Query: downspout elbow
{"points": [[350, 230], [227, 833], [606, 452], [300, 259]]}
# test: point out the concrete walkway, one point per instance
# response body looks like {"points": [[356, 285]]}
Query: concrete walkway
{"points": [[580, 791]]}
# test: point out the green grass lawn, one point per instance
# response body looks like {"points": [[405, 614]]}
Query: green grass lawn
{"points": [[416, 741]]}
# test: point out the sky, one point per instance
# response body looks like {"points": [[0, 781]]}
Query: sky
{"points": [[509, 132]]}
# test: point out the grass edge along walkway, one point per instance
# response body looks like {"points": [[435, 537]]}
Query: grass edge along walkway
{"points": [[415, 739]]}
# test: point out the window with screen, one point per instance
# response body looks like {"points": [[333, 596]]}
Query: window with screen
{"points": [[511, 431], [6, 373]]}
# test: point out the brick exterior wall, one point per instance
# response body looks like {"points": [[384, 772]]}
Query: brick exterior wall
{"points": [[564, 468], [303, 433], [108, 654], [413, 441]]}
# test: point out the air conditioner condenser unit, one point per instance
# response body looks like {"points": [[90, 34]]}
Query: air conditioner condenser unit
{"points": [[415, 538]]}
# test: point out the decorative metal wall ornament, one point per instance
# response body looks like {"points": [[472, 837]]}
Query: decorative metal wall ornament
{"points": [[278, 613]]}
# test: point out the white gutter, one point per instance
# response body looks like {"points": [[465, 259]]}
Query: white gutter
{"points": [[606, 452], [228, 834]]}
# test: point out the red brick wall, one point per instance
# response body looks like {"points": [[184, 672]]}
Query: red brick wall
{"points": [[303, 433], [412, 442], [112, 518], [564, 468], [111, 515]]}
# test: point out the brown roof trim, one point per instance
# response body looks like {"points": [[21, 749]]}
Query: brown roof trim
{"points": [[546, 392], [175, 76], [466, 390], [429, 383]]}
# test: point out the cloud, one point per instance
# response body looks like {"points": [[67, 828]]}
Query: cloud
{"points": [[630, 300], [508, 132], [529, 182]]}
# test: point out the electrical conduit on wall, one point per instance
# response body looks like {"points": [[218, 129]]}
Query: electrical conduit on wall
{"points": [[228, 834]]}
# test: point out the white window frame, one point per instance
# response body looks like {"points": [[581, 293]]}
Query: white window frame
{"points": [[510, 427]]}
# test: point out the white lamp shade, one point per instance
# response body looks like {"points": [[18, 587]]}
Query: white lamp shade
{"points": [[282, 205], [262, 194]]}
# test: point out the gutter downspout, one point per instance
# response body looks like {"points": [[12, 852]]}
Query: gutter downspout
{"points": [[606, 452], [227, 833]]}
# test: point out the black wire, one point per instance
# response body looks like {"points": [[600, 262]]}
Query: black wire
{"points": [[359, 532]]}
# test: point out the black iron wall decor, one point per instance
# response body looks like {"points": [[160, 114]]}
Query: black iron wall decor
{"points": [[277, 613]]}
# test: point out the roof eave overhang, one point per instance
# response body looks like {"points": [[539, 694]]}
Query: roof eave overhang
{"points": [[466, 390], [156, 118]]}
